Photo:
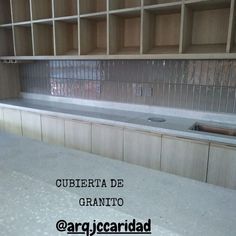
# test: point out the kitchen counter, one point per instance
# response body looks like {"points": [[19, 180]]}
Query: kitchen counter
{"points": [[174, 125], [31, 204]]}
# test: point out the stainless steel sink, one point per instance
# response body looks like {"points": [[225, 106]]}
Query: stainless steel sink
{"points": [[214, 129]]}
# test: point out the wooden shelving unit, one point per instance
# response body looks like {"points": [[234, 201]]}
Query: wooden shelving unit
{"points": [[122, 4], [94, 30], [66, 35], [207, 28], [162, 29], [156, 2], [65, 8], [5, 16], [117, 29], [41, 9], [20, 10], [92, 6], [23, 40], [6, 39], [125, 32], [43, 38]]}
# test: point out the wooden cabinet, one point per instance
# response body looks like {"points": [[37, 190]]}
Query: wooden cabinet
{"points": [[78, 135], [53, 130], [107, 141], [31, 125], [114, 29], [12, 121], [185, 157], [222, 166], [142, 148]]}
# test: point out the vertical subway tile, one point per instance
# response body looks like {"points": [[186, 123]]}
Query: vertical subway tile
{"points": [[206, 85]]}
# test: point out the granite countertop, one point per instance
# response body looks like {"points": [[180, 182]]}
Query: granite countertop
{"points": [[31, 204], [174, 125]]}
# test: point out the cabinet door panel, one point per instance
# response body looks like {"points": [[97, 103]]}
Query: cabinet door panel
{"points": [[222, 166], [107, 141], [142, 149], [78, 135], [53, 130], [31, 125], [184, 157], [12, 121]]}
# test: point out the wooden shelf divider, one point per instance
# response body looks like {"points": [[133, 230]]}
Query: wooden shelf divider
{"points": [[128, 29]]}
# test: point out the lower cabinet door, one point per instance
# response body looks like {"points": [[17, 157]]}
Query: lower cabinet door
{"points": [[184, 157], [222, 166], [78, 135], [142, 148], [31, 125], [12, 121], [53, 130], [107, 141]]}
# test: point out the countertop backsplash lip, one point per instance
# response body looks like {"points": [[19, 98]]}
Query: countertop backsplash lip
{"points": [[175, 126], [223, 118]]}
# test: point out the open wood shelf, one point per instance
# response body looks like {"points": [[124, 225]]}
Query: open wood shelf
{"points": [[92, 6], [93, 35], [5, 16], [155, 2], [43, 39], [6, 39], [125, 33], [23, 39], [207, 27], [41, 9], [161, 30], [66, 35], [65, 8], [117, 29], [121, 4], [21, 10]]}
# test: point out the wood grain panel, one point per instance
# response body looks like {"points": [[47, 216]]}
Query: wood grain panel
{"points": [[142, 149], [53, 130], [41, 9], [210, 26], [222, 166], [78, 135], [184, 157], [12, 121], [9, 81], [107, 141], [31, 125], [23, 41], [66, 38]]}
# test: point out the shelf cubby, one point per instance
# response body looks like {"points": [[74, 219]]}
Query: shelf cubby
{"points": [[122, 4], [125, 33], [161, 30], [21, 10], [93, 35], [206, 27], [66, 35], [92, 6], [23, 40], [65, 8], [5, 16], [155, 2], [41, 9], [6, 39], [43, 38]]}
